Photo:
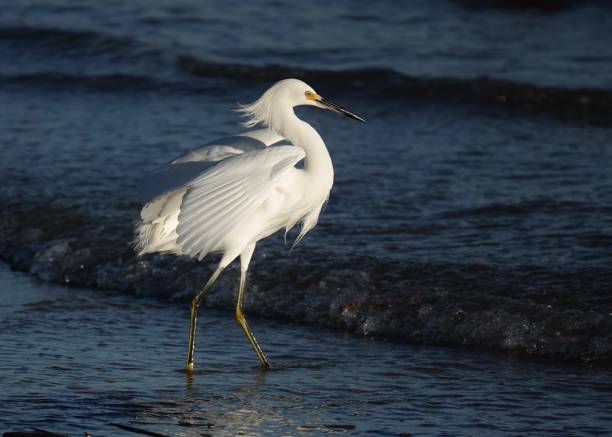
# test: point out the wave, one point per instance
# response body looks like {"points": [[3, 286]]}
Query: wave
{"points": [[78, 51], [527, 310], [589, 106], [111, 82], [63, 40], [124, 64], [527, 207], [584, 104], [47, 34], [72, 38], [546, 6]]}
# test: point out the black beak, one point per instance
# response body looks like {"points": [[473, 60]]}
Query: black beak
{"points": [[339, 109]]}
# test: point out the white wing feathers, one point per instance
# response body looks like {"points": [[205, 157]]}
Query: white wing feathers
{"points": [[182, 170], [212, 195], [225, 195]]}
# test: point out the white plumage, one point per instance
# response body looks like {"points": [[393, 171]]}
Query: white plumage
{"points": [[194, 219], [231, 193]]}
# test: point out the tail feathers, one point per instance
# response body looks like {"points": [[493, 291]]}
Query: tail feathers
{"points": [[150, 238], [156, 231]]}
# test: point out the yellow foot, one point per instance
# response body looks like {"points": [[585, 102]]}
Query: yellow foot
{"points": [[189, 367]]}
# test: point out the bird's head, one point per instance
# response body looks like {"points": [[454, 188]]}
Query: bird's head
{"points": [[286, 94]]}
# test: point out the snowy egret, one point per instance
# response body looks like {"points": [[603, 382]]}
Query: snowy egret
{"points": [[227, 195]]}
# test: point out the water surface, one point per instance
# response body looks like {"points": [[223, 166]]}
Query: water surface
{"points": [[489, 223], [74, 360]]}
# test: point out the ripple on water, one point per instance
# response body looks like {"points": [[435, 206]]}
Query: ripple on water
{"points": [[82, 367]]}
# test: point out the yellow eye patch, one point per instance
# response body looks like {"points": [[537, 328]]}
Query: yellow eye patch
{"points": [[312, 96]]}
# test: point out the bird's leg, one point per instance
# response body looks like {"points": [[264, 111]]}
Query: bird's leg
{"points": [[195, 305], [245, 327], [245, 258]]}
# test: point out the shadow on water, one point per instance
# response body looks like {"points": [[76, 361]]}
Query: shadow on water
{"points": [[76, 360]]}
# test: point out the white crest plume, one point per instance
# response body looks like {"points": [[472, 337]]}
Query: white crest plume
{"points": [[260, 111]]}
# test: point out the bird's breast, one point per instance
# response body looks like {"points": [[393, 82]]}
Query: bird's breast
{"points": [[294, 197]]}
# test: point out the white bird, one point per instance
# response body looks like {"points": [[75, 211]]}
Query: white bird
{"points": [[227, 195]]}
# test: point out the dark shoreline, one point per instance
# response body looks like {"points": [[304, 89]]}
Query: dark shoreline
{"points": [[526, 311]]}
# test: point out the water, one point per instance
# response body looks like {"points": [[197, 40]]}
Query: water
{"points": [[96, 96], [458, 185], [570, 47], [474, 209], [75, 360]]}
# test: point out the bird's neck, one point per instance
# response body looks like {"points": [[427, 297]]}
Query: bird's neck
{"points": [[317, 163]]}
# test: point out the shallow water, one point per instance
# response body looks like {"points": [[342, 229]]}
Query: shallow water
{"points": [[75, 360]]}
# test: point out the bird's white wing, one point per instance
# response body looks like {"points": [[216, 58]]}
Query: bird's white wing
{"points": [[228, 193], [185, 168]]}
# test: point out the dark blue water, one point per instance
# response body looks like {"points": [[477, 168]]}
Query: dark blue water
{"points": [[492, 194], [570, 47], [75, 361], [94, 95]]}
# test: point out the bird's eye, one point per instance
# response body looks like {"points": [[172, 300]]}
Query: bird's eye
{"points": [[310, 95]]}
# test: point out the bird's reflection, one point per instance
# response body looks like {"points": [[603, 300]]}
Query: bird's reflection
{"points": [[223, 401], [194, 378]]}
